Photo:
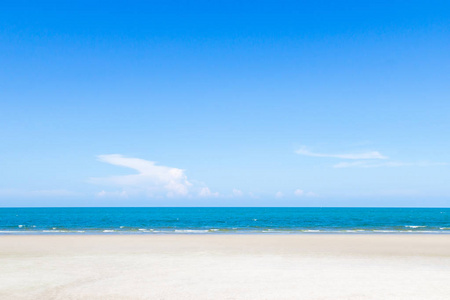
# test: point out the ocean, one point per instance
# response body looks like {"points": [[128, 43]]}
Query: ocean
{"points": [[223, 220]]}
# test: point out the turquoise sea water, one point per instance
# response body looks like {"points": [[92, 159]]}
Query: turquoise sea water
{"points": [[223, 220]]}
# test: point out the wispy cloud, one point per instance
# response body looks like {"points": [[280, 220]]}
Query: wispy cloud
{"points": [[361, 155], [152, 180], [391, 164]]}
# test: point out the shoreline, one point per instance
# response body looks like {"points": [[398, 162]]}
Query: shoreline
{"points": [[401, 243], [209, 233]]}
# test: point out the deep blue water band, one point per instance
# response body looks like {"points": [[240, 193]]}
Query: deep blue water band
{"points": [[223, 220]]}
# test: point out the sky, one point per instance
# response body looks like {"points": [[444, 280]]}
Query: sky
{"points": [[224, 103]]}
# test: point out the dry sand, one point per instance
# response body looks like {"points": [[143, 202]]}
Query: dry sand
{"points": [[225, 267]]}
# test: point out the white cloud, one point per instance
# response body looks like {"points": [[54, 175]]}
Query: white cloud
{"points": [[206, 192], [152, 180], [391, 164], [279, 195], [363, 155]]}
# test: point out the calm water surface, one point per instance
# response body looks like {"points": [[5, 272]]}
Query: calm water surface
{"points": [[223, 220]]}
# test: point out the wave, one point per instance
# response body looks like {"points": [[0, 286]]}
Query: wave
{"points": [[407, 229], [415, 226], [191, 230]]}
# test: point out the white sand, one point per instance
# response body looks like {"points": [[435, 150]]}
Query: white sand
{"points": [[225, 267]]}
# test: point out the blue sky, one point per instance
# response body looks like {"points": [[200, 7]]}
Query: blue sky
{"points": [[224, 103]]}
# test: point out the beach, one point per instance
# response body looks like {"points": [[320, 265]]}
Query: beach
{"points": [[221, 266]]}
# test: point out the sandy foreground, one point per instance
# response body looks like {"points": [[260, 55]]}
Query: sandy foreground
{"points": [[225, 267]]}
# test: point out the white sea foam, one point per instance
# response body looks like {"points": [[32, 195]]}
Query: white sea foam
{"points": [[109, 231], [190, 231], [417, 226], [277, 231], [62, 231]]}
